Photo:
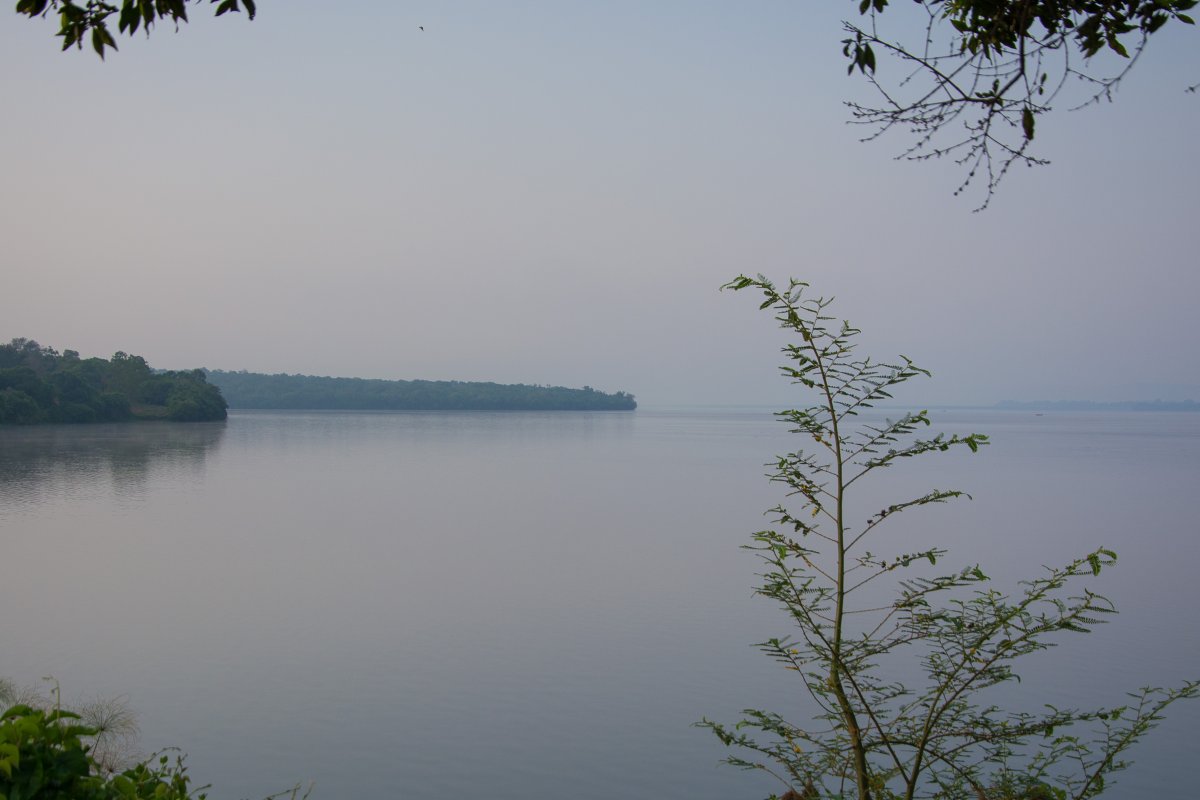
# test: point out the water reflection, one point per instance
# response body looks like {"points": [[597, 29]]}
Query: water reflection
{"points": [[425, 604], [55, 463]]}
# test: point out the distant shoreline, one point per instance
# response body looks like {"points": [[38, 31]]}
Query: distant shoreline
{"points": [[1007, 405], [1090, 405], [282, 392]]}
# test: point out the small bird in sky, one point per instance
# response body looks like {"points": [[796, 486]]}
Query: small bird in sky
{"points": [[422, 27]]}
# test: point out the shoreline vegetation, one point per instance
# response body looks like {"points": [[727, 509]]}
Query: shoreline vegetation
{"points": [[252, 390], [40, 385]]}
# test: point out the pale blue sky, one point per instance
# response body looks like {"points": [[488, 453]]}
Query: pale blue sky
{"points": [[550, 192]]}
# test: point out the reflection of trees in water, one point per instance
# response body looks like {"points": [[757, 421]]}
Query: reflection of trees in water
{"points": [[41, 461]]}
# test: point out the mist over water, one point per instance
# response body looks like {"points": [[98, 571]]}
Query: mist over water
{"points": [[531, 605]]}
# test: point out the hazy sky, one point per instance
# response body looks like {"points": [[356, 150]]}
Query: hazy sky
{"points": [[551, 192]]}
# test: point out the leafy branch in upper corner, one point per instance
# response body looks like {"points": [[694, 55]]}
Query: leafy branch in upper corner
{"points": [[81, 20], [981, 73], [873, 736]]}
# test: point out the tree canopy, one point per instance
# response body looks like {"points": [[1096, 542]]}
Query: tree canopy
{"points": [[39, 384], [81, 20], [973, 84], [969, 81]]}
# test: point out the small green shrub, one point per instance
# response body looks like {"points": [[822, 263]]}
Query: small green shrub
{"points": [[46, 755], [51, 753]]}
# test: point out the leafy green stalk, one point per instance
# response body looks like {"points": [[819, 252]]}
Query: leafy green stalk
{"points": [[877, 738]]}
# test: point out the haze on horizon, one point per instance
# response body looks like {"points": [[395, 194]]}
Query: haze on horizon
{"points": [[551, 193]]}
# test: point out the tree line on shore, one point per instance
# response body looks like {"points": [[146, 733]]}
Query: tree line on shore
{"points": [[39, 384], [259, 391]]}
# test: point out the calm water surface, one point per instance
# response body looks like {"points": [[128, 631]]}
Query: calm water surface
{"points": [[530, 605]]}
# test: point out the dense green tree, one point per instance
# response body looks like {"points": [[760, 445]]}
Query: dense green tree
{"points": [[72, 387], [18, 408], [37, 384], [191, 398], [24, 379], [127, 374]]}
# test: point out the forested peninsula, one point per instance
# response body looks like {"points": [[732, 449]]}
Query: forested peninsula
{"points": [[253, 390], [39, 384]]}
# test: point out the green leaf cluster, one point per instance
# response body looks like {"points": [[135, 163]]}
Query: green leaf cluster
{"points": [[88, 20], [997, 29], [872, 736], [45, 754]]}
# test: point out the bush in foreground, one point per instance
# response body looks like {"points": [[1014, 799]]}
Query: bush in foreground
{"points": [[51, 753]]}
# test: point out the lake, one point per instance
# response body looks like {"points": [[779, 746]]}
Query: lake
{"points": [[533, 605]]}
